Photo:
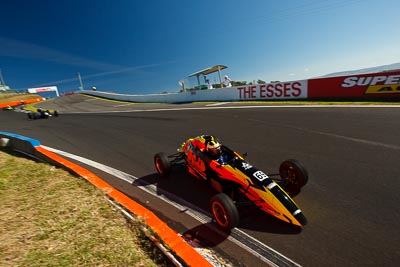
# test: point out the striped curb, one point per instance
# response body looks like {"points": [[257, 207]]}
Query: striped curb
{"points": [[186, 254]]}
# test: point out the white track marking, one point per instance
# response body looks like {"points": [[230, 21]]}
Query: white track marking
{"points": [[217, 104], [124, 105], [237, 236], [358, 140], [233, 107]]}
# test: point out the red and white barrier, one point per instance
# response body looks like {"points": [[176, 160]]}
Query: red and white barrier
{"points": [[374, 85]]}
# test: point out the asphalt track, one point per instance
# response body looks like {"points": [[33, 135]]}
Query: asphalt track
{"points": [[352, 155]]}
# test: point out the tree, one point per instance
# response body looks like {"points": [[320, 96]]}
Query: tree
{"points": [[238, 83], [260, 81]]}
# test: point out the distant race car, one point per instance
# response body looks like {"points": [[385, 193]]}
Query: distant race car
{"points": [[8, 108], [42, 114], [237, 182]]}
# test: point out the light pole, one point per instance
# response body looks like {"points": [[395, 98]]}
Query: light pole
{"points": [[80, 81]]}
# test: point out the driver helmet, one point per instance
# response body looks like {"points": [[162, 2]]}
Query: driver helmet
{"points": [[214, 148]]}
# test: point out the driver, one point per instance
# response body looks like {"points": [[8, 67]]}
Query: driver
{"points": [[214, 149]]}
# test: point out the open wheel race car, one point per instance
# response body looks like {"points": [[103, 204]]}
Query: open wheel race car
{"points": [[8, 108], [42, 114], [238, 182]]}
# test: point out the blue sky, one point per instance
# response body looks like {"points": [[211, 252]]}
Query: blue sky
{"points": [[142, 47]]}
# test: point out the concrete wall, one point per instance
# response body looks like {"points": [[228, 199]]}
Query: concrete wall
{"points": [[372, 85], [287, 90]]}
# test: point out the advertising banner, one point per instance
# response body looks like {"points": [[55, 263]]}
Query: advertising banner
{"points": [[382, 84], [43, 89], [279, 90]]}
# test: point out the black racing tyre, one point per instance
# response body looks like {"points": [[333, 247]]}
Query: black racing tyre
{"points": [[224, 211], [163, 166], [294, 176], [30, 116], [55, 113]]}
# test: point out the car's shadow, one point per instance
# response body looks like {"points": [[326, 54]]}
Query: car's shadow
{"points": [[182, 185]]}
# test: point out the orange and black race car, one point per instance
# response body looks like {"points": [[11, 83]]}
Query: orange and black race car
{"points": [[237, 182]]}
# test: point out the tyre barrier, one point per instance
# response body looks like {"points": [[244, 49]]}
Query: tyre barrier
{"points": [[179, 251], [21, 102]]}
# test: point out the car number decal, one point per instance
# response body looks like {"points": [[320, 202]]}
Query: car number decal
{"points": [[260, 175]]}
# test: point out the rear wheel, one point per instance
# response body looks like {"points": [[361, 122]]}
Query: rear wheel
{"points": [[224, 211], [163, 166], [294, 176]]}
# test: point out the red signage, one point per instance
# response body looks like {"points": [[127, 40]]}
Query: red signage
{"points": [[382, 84]]}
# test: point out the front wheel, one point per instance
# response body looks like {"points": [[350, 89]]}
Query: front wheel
{"points": [[224, 211], [294, 176], [163, 166]]}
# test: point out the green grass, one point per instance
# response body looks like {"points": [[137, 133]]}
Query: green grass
{"points": [[50, 218]]}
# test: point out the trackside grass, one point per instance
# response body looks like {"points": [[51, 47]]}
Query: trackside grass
{"points": [[50, 218]]}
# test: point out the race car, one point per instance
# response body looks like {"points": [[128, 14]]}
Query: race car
{"points": [[237, 182], [42, 114], [8, 108]]}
